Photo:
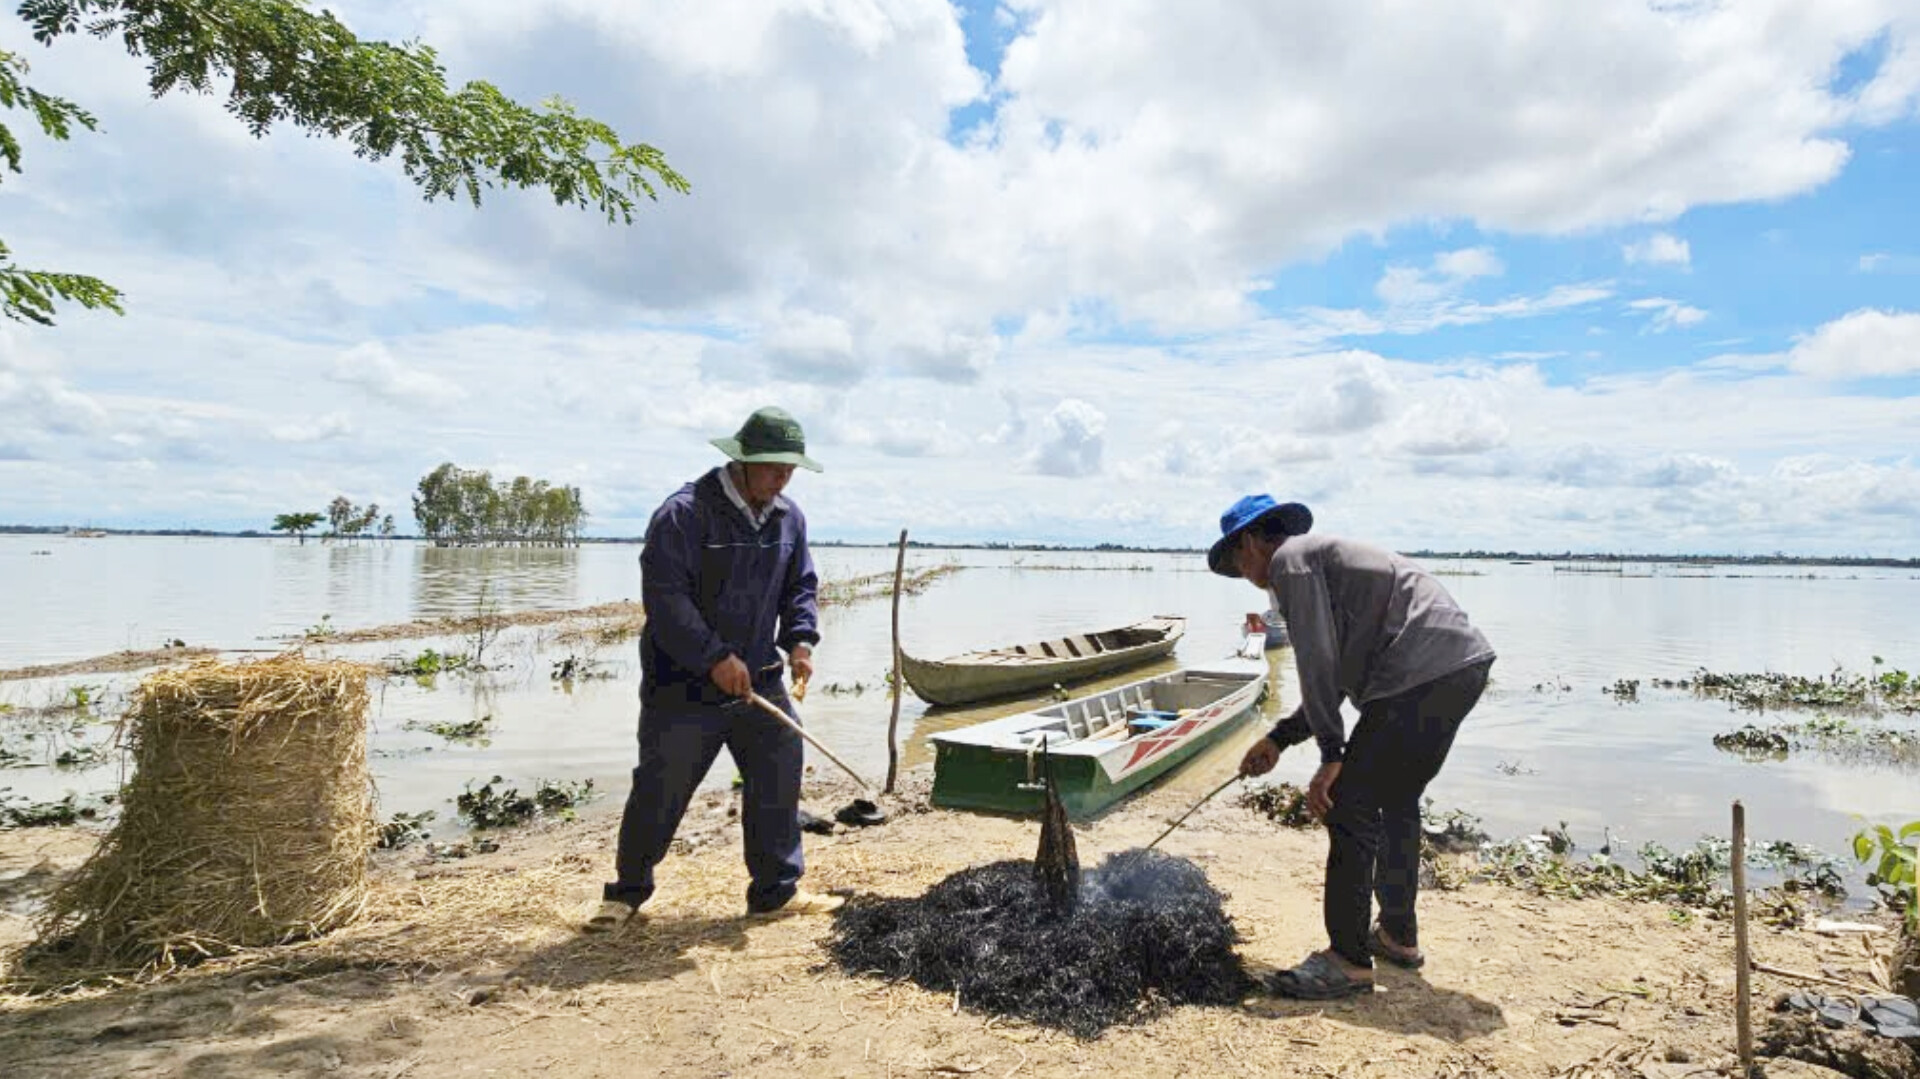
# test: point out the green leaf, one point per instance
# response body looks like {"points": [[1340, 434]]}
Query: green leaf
{"points": [[279, 63], [29, 295], [1862, 847]]}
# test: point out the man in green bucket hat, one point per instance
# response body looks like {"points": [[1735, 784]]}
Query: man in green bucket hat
{"points": [[727, 583]]}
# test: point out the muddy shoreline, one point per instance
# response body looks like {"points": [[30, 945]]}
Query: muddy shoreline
{"points": [[481, 953]]}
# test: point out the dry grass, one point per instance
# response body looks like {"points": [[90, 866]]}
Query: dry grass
{"points": [[248, 820], [132, 660]]}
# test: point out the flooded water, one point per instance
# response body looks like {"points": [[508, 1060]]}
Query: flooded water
{"points": [[1546, 744]]}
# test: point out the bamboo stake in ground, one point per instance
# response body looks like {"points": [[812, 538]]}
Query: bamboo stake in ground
{"points": [[1743, 976], [893, 721]]}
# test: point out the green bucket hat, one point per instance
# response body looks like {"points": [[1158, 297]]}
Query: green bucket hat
{"points": [[769, 437]]}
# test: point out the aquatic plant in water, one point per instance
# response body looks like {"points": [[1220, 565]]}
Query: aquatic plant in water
{"points": [[404, 829], [467, 730], [490, 808], [1827, 734], [1892, 690], [1282, 803], [1690, 878], [427, 664]]}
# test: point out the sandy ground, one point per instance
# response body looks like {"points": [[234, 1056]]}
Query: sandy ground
{"points": [[474, 968]]}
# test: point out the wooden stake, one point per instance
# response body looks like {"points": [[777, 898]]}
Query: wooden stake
{"points": [[1743, 976], [893, 721]]}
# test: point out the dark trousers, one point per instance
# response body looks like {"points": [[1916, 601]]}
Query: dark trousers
{"points": [[677, 747], [1396, 749]]}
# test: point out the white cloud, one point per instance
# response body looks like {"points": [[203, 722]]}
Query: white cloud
{"points": [[941, 316], [1874, 262], [1457, 422], [1359, 396], [1667, 314], [1406, 286], [1864, 344], [808, 346], [327, 428], [372, 368], [1072, 438], [1660, 249]]}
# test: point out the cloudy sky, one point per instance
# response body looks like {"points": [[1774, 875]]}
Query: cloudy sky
{"points": [[1597, 276]]}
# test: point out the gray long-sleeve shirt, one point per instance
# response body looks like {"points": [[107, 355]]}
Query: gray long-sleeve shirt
{"points": [[1365, 624]]}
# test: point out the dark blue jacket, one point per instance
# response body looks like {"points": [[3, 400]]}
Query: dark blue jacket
{"points": [[713, 585]]}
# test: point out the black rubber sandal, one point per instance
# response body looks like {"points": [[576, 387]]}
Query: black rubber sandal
{"points": [[1318, 978]]}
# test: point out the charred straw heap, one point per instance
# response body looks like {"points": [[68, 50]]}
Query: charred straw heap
{"points": [[1040, 941]]}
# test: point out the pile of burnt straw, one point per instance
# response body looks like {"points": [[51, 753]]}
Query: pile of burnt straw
{"points": [[1146, 932]]}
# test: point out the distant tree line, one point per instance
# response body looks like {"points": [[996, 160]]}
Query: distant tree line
{"points": [[462, 506], [345, 520], [348, 521]]}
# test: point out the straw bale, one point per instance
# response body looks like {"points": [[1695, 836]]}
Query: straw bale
{"points": [[248, 819]]}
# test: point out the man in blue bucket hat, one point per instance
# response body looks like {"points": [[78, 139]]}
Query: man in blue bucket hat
{"points": [[727, 584], [1371, 628]]}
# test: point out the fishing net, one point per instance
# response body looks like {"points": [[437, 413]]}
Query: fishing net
{"points": [[1147, 932], [248, 819]]}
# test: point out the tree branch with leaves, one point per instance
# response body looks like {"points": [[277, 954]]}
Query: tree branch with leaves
{"points": [[282, 63]]}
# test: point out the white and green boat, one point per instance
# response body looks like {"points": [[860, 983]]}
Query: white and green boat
{"points": [[1022, 668], [1102, 747]]}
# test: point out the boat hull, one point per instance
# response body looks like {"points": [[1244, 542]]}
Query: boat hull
{"points": [[964, 680], [994, 766]]}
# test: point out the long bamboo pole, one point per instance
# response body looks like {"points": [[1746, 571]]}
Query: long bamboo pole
{"points": [[773, 710], [1743, 974], [893, 721]]}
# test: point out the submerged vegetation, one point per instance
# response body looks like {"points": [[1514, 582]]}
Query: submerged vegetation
{"points": [[1825, 734], [486, 807], [19, 812], [1877, 691], [1457, 849], [1282, 803], [466, 730], [404, 829], [879, 585], [1690, 879], [427, 664]]}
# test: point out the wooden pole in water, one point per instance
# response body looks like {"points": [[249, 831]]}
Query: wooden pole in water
{"points": [[1742, 975], [893, 721]]}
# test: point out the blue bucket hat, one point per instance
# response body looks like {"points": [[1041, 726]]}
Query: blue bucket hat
{"points": [[1246, 513]]}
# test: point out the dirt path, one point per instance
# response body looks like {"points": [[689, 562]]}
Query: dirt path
{"points": [[474, 968]]}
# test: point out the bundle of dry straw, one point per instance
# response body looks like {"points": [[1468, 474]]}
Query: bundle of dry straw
{"points": [[248, 819]]}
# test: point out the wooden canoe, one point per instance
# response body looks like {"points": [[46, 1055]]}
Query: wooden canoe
{"points": [[1102, 747], [1019, 668]]}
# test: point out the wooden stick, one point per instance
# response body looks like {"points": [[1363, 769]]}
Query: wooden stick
{"points": [[1743, 976], [1231, 780], [893, 721], [773, 710], [1818, 979]]}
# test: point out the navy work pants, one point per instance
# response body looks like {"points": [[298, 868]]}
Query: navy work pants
{"points": [[677, 747], [1396, 749]]}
